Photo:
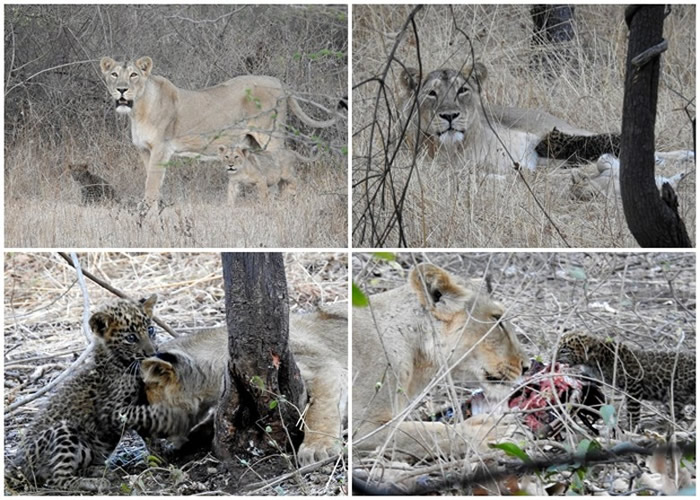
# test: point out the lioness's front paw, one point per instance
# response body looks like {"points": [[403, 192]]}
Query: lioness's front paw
{"points": [[317, 449]]}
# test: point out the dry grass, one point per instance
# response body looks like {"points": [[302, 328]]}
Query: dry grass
{"points": [[42, 332], [446, 207], [645, 300], [315, 217]]}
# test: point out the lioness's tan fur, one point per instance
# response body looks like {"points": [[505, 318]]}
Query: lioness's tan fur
{"points": [[261, 169], [455, 119], [405, 338], [167, 120], [319, 343]]}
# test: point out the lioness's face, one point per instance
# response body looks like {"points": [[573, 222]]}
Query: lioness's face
{"points": [[470, 327], [447, 101], [126, 81]]}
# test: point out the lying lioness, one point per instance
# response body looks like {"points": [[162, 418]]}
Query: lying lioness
{"points": [[408, 336], [188, 372]]}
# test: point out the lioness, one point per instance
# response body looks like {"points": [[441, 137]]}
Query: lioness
{"points": [[452, 116], [258, 168], [167, 120], [435, 324], [187, 373]]}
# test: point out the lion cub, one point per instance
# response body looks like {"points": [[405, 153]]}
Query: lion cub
{"points": [[261, 169], [187, 374], [93, 188]]}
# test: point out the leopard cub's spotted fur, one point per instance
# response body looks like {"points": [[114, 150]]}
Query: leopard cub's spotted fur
{"points": [[86, 416], [645, 375], [577, 148], [93, 188]]}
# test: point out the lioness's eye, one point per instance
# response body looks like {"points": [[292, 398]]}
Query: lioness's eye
{"points": [[463, 90], [114, 75], [133, 75], [432, 94]]}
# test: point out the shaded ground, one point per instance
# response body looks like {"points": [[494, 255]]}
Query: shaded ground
{"points": [[43, 308], [646, 300]]}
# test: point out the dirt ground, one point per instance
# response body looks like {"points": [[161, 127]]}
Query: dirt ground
{"points": [[646, 300], [42, 337]]}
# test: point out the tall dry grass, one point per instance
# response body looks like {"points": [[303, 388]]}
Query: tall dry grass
{"points": [[57, 111], [452, 205]]}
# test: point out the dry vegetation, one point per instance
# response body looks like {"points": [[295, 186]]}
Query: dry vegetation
{"points": [[646, 300], [445, 207], [57, 111], [42, 336]]}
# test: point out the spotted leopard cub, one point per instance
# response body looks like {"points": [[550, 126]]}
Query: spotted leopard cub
{"points": [[86, 416], [645, 375], [93, 188], [577, 148]]}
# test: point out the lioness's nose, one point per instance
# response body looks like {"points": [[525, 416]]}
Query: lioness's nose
{"points": [[122, 91], [449, 117]]}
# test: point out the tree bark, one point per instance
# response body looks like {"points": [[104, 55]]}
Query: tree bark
{"points": [[653, 222], [263, 389]]}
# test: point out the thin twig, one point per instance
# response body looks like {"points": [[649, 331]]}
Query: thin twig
{"points": [[118, 293], [86, 297]]}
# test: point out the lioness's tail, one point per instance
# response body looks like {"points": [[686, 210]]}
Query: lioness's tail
{"points": [[296, 109]]}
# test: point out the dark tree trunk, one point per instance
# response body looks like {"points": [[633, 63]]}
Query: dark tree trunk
{"points": [[653, 221], [261, 367], [552, 24]]}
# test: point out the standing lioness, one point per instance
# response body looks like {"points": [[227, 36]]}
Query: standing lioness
{"points": [[167, 120], [408, 336]]}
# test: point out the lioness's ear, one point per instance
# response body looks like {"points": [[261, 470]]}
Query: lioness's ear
{"points": [[409, 79], [478, 72], [145, 64], [222, 149], [106, 64], [156, 370], [431, 283], [148, 304]]}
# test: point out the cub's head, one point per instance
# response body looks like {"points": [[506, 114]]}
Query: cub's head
{"points": [[448, 101], [126, 81], [578, 348], [173, 379], [233, 157], [77, 169], [469, 326], [125, 329]]}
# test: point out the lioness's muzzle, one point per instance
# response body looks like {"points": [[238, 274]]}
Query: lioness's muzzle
{"points": [[125, 102]]}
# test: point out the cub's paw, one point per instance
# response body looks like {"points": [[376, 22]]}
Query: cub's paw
{"points": [[314, 449]]}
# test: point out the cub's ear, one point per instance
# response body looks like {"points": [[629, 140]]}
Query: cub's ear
{"points": [[433, 284], [148, 304], [478, 72], [100, 323], [222, 149], [409, 79], [106, 64], [145, 64], [158, 370]]}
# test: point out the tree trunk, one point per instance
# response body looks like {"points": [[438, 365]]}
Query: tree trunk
{"points": [[262, 385], [653, 222]]}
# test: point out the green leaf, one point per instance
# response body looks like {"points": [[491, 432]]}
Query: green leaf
{"points": [[385, 255], [512, 450], [359, 299], [125, 489], [258, 382], [578, 273], [273, 404], [153, 461], [608, 414]]}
